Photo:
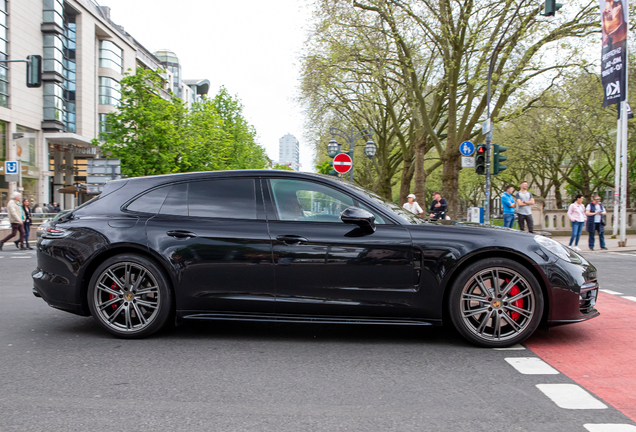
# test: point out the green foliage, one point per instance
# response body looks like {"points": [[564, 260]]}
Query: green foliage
{"points": [[156, 135], [283, 167], [323, 168]]}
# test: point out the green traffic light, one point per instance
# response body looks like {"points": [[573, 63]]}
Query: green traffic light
{"points": [[497, 158]]}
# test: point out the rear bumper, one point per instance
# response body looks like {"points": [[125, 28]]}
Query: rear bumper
{"points": [[57, 292]]}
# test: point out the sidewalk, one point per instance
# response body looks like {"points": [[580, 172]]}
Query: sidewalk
{"points": [[612, 244]]}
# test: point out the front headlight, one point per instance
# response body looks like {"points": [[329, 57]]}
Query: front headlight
{"points": [[558, 249]]}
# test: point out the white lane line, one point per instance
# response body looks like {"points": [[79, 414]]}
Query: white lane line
{"points": [[512, 348], [17, 257], [531, 366], [632, 298], [609, 427], [611, 292], [570, 396]]}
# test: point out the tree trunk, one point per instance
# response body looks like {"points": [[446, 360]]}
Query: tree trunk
{"points": [[420, 172], [384, 187], [407, 177], [557, 194], [450, 180]]}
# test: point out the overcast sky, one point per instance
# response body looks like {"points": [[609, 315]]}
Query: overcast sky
{"points": [[249, 46]]}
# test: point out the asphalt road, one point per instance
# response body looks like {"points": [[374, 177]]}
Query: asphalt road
{"points": [[60, 372]]}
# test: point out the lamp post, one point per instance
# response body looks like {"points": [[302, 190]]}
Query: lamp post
{"points": [[351, 137]]}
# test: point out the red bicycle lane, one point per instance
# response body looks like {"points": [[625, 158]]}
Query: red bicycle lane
{"points": [[599, 355]]}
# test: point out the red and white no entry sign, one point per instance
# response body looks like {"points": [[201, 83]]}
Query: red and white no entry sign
{"points": [[342, 163]]}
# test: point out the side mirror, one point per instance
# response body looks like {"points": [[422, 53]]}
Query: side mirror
{"points": [[357, 216]]}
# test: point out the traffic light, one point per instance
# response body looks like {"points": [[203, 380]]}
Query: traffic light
{"points": [[550, 7], [497, 158], [480, 159], [34, 71]]}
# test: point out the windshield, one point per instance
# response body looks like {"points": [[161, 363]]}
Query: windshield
{"points": [[404, 214]]}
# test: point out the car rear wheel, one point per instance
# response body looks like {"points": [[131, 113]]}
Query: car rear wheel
{"points": [[496, 302], [129, 296]]}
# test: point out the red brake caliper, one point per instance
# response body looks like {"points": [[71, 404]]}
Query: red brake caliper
{"points": [[518, 303], [112, 296]]}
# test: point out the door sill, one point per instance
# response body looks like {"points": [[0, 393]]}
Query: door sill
{"points": [[307, 319]]}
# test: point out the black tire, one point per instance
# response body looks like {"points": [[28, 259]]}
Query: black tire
{"points": [[487, 320], [130, 296]]}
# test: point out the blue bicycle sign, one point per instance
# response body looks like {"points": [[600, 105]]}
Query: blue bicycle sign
{"points": [[467, 148]]}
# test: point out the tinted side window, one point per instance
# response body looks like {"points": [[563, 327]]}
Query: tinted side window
{"points": [[223, 198], [150, 202], [298, 200], [176, 202]]}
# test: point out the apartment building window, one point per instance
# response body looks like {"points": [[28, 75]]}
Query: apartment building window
{"points": [[53, 58], [70, 78], [54, 12], [110, 56], [4, 75], [53, 101], [104, 130], [109, 91]]}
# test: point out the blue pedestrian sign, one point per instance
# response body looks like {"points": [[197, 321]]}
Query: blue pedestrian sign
{"points": [[10, 167], [467, 148]]}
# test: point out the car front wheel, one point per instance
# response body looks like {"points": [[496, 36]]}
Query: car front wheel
{"points": [[496, 302], [129, 296]]}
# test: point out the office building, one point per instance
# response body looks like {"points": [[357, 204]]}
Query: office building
{"points": [[289, 152]]}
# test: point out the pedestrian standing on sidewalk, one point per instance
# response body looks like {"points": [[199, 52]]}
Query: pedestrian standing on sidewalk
{"points": [[595, 213], [16, 219], [27, 224], [576, 213], [508, 205], [525, 201], [412, 205]]}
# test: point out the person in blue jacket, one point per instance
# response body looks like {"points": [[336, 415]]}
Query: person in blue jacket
{"points": [[508, 205]]}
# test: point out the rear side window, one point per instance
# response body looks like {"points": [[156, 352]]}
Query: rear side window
{"points": [[176, 202], [223, 198], [150, 202]]}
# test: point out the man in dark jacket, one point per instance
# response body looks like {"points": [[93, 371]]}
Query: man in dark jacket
{"points": [[595, 212], [438, 206]]}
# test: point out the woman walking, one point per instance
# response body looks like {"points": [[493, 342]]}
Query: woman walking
{"points": [[576, 213], [27, 223]]}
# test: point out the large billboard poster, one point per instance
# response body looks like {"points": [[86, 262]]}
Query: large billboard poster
{"points": [[614, 53]]}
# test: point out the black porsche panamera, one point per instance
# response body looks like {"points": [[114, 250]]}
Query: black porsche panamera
{"points": [[295, 247]]}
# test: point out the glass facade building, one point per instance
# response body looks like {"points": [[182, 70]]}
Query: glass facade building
{"points": [[109, 91], [59, 66], [110, 56], [4, 52], [170, 61]]}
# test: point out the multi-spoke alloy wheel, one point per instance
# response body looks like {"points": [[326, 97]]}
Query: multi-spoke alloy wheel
{"points": [[128, 296], [496, 302]]}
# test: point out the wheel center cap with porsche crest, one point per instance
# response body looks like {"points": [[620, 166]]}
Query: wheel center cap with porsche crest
{"points": [[128, 296], [496, 304]]}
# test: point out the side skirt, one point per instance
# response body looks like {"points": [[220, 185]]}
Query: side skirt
{"points": [[305, 319]]}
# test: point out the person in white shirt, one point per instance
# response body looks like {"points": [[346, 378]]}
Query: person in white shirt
{"points": [[412, 205], [576, 213]]}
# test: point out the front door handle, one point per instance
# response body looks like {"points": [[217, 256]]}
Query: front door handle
{"points": [[181, 234], [291, 240]]}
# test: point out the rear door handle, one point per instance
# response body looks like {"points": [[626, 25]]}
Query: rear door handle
{"points": [[291, 240], [181, 234]]}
